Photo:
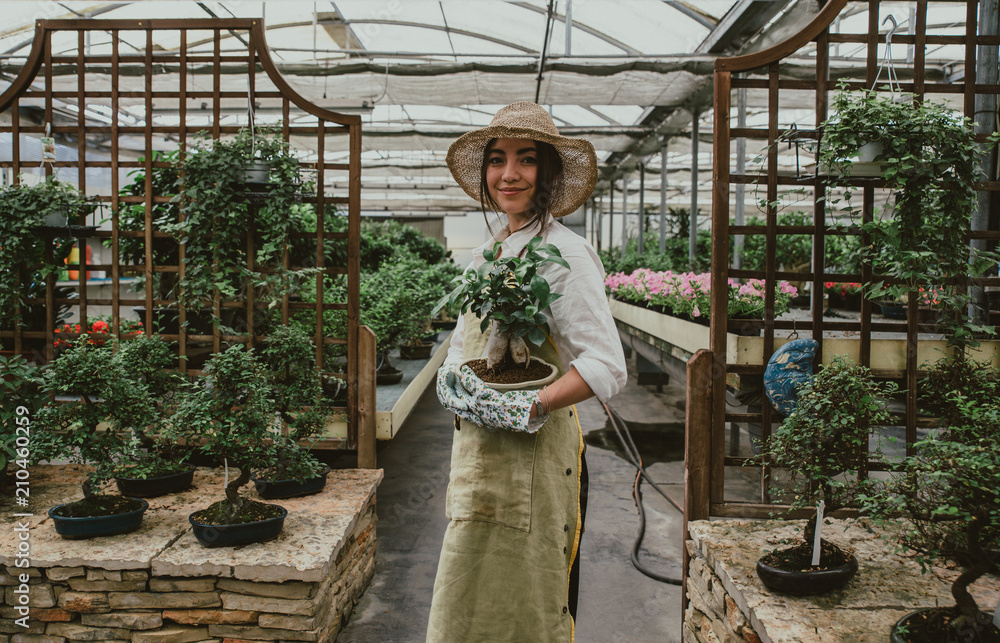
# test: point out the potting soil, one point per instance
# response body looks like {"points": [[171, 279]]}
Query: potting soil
{"points": [[510, 373]]}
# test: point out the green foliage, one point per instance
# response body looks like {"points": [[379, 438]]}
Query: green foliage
{"points": [[106, 396], [792, 251], [228, 414], [509, 290], [216, 214], [675, 254], [828, 435], [957, 388], [20, 384], [931, 166], [23, 270]]}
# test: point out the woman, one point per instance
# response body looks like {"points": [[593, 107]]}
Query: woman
{"points": [[517, 493]]}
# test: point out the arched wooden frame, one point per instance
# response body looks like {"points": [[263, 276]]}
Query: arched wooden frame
{"points": [[40, 64], [710, 373]]}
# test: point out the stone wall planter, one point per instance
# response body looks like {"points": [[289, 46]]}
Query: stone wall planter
{"points": [[153, 487], [81, 527]]}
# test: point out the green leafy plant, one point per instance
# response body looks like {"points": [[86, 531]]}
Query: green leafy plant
{"points": [[508, 293], [947, 493], [289, 359], [827, 436], [216, 211], [930, 164], [227, 413], [112, 409], [20, 384], [23, 209]]}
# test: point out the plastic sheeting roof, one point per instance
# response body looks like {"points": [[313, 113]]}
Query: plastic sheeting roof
{"points": [[422, 72]]}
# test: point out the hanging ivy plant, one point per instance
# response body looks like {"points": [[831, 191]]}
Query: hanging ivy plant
{"points": [[217, 214], [929, 159], [24, 210]]}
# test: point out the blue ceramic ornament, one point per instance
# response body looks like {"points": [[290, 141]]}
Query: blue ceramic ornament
{"points": [[789, 368]]}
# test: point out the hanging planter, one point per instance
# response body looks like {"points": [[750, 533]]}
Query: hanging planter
{"points": [[257, 175], [157, 486], [71, 522], [235, 534]]}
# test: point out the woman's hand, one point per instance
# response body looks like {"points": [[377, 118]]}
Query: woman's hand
{"points": [[510, 410]]}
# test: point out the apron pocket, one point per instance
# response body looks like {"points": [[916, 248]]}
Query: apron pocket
{"points": [[491, 475]]}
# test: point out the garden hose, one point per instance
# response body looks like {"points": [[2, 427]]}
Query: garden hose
{"points": [[632, 454]]}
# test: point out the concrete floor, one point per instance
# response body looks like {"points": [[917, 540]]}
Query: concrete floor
{"points": [[618, 604]]}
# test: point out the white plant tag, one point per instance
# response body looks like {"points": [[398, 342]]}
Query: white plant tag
{"points": [[225, 461], [818, 538], [996, 615]]}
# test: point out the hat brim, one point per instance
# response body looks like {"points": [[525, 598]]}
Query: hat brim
{"points": [[573, 187]]}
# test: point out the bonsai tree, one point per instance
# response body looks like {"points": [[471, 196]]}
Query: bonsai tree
{"points": [[228, 413], [509, 294], [96, 428], [930, 164], [824, 444], [289, 359], [23, 210], [947, 492]]}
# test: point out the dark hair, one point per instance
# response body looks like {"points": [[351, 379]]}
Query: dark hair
{"points": [[549, 169]]}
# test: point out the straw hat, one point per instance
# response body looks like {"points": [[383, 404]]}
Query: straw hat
{"points": [[531, 121]]}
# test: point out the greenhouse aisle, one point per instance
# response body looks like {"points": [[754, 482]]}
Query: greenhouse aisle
{"points": [[618, 604]]}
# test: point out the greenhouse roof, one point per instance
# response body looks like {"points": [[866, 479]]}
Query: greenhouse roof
{"points": [[627, 75]]}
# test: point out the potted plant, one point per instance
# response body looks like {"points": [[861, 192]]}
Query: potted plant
{"points": [[289, 359], [508, 294], [931, 167], [93, 429], [155, 465], [216, 216], [227, 413], [947, 493], [824, 446], [24, 211]]}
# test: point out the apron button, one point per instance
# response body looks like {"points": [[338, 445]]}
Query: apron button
{"points": [[565, 609], [564, 550], [569, 471], [565, 527]]}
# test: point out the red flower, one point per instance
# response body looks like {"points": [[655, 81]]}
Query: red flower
{"points": [[99, 326]]}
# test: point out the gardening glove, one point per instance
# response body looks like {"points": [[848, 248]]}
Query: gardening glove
{"points": [[499, 410], [448, 392]]}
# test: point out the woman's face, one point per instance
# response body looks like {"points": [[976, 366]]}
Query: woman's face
{"points": [[511, 172]]}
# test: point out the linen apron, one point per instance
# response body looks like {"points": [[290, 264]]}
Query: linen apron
{"points": [[514, 505]]}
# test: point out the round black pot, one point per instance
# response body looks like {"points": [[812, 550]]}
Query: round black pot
{"points": [[416, 351], [277, 489], [153, 487], [241, 534], [987, 632], [806, 583], [81, 527], [388, 375], [440, 324], [892, 311]]}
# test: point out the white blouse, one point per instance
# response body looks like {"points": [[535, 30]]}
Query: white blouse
{"points": [[580, 322]]}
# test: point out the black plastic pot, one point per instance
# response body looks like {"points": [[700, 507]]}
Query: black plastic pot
{"points": [[416, 351], [239, 534], [806, 583], [153, 487], [81, 527], [277, 489], [257, 175], [440, 324], [388, 375], [991, 632]]}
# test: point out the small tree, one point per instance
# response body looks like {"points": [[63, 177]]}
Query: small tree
{"points": [[824, 443], [508, 293], [228, 413], [105, 394]]}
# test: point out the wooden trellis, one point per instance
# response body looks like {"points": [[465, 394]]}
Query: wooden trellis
{"points": [[204, 83], [894, 350]]}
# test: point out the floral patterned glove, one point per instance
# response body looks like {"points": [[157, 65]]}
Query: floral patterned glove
{"points": [[499, 410], [452, 397]]}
